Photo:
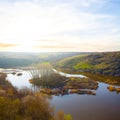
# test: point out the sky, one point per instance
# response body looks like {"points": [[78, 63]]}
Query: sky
{"points": [[59, 25]]}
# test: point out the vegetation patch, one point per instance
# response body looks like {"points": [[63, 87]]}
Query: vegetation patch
{"points": [[51, 81], [55, 84], [106, 63], [82, 65], [23, 104], [113, 88]]}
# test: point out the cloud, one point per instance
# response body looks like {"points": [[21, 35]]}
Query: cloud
{"points": [[69, 24], [53, 46], [7, 45], [27, 20]]}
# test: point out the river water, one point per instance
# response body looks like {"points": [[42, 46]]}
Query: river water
{"points": [[105, 105]]}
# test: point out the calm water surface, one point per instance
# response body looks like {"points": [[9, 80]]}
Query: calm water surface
{"points": [[104, 105]]}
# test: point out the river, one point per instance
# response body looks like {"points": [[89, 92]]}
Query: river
{"points": [[105, 105]]}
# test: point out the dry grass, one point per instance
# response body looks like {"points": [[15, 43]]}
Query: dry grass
{"points": [[111, 88]]}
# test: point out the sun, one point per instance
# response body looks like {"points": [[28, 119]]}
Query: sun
{"points": [[23, 46], [27, 46]]}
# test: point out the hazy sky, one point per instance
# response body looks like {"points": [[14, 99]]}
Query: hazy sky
{"points": [[59, 25]]}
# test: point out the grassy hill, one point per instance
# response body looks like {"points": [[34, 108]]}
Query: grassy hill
{"points": [[18, 59], [106, 63]]}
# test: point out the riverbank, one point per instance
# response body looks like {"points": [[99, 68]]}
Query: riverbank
{"points": [[113, 80], [15, 104], [57, 84], [101, 103]]}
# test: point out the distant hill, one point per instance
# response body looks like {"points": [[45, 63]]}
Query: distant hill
{"points": [[14, 59], [106, 63], [18, 59]]}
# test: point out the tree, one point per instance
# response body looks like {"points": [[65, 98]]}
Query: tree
{"points": [[62, 116], [36, 108]]}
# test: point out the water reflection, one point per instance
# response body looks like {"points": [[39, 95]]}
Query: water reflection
{"points": [[69, 75], [19, 81], [104, 106]]}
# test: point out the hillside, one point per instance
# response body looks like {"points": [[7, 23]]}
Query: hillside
{"points": [[18, 59], [107, 63]]}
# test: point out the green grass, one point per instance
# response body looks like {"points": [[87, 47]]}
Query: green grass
{"points": [[101, 66], [107, 63], [82, 65], [71, 60]]}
